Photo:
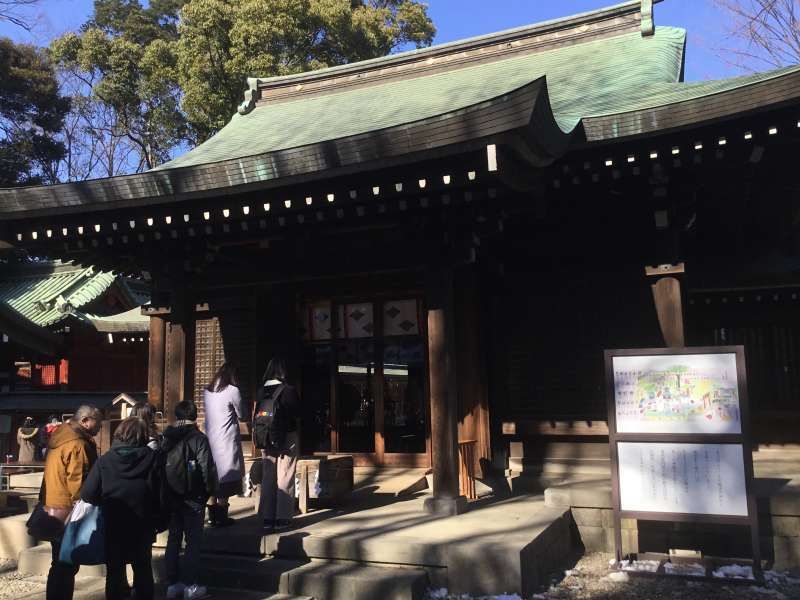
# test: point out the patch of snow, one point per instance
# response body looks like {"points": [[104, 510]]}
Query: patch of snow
{"points": [[688, 569], [618, 577], [641, 566], [440, 594], [734, 572], [767, 592], [612, 562], [773, 576]]}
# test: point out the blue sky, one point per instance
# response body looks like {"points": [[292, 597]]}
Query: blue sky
{"points": [[456, 19]]}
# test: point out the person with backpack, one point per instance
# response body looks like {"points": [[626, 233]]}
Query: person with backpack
{"points": [[190, 478], [223, 412], [125, 483], [275, 434]]}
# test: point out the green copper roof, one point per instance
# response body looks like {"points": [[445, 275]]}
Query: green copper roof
{"points": [[46, 294], [661, 94], [582, 79]]}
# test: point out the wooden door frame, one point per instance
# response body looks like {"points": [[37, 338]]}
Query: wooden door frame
{"points": [[379, 457]]}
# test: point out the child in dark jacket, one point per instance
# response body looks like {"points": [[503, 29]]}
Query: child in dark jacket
{"points": [[124, 483], [191, 478]]}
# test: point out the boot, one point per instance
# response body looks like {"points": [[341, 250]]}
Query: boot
{"points": [[222, 518], [211, 518]]}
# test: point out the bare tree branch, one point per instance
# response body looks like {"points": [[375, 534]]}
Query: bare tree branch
{"points": [[763, 32], [17, 12]]}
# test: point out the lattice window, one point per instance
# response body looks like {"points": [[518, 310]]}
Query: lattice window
{"points": [[228, 337], [209, 355]]}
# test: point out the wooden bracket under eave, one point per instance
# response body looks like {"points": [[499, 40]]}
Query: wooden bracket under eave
{"points": [[648, 23], [666, 269]]}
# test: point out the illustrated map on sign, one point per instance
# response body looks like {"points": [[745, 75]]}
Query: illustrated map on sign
{"points": [[691, 393]]}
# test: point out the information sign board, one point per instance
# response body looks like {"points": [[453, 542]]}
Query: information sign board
{"points": [[677, 393], [678, 427], [704, 479]]}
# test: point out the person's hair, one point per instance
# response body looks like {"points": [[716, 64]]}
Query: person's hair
{"points": [[186, 411], [131, 432], [147, 413], [276, 369], [86, 412], [225, 376]]}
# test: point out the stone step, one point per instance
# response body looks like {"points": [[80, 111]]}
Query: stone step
{"points": [[328, 580], [320, 579], [225, 570], [247, 572], [561, 466], [93, 588], [36, 561]]}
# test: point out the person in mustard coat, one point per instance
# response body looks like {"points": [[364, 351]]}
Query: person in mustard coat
{"points": [[70, 456]]}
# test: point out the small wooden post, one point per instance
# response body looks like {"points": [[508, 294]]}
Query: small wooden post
{"points": [[669, 307], [155, 363], [443, 396], [179, 361]]}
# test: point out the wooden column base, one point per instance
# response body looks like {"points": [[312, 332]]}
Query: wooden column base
{"points": [[446, 507]]}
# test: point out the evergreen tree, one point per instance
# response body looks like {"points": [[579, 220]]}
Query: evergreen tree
{"points": [[31, 114]]}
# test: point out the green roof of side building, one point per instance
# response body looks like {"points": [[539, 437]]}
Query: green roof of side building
{"points": [[49, 293]]}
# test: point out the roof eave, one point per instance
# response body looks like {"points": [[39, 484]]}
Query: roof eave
{"points": [[446, 134], [757, 97]]}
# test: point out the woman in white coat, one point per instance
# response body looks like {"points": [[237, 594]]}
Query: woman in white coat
{"points": [[223, 411]]}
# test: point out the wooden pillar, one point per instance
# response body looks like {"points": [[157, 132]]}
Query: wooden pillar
{"points": [[179, 361], [443, 395], [668, 303], [473, 395], [155, 362]]}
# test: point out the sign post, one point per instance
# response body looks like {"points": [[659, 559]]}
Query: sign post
{"points": [[679, 436]]}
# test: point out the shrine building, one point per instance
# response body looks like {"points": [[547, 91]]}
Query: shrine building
{"points": [[442, 242]]}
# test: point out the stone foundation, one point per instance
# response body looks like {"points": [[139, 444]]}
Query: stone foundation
{"points": [[779, 525]]}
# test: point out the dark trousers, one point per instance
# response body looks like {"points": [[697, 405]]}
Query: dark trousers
{"points": [[186, 522], [277, 482], [139, 554], [61, 577]]}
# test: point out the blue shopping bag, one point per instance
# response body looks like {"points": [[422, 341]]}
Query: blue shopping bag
{"points": [[84, 536]]}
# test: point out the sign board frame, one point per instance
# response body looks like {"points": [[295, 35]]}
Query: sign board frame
{"points": [[743, 439]]}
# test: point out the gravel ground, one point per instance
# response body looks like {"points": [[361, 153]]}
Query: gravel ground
{"points": [[14, 585], [592, 579]]}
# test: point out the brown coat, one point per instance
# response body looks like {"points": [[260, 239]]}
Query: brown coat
{"points": [[70, 455]]}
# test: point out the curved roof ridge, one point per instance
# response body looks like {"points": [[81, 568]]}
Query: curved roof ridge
{"points": [[576, 21]]}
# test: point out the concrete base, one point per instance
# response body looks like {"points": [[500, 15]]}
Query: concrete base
{"points": [[380, 546], [446, 506], [777, 488], [508, 546], [14, 536], [344, 581]]}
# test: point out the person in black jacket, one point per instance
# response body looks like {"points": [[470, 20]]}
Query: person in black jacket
{"points": [[279, 463], [190, 479], [124, 483]]}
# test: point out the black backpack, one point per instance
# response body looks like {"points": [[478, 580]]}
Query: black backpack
{"points": [[263, 422], [182, 475]]}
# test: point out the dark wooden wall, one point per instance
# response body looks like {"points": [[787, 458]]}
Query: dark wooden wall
{"points": [[97, 366], [548, 334]]}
